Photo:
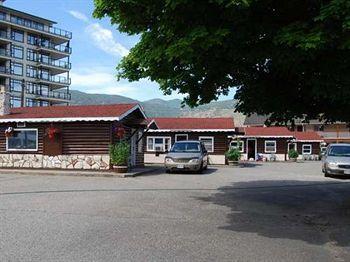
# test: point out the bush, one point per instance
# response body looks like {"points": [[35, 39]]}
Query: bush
{"points": [[293, 154], [233, 154], [119, 153]]}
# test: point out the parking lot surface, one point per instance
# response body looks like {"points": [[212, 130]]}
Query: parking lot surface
{"points": [[262, 212]]}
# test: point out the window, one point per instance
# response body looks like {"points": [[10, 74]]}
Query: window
{"points": [[31, 71], [208, 142], [17, 69], [270, 146], [32, 39], [2, 16], [44, 90], [307, 149], [17, 51], [32, 55], [15, 85], [181, 137], [44, 74], [32, 88], [17, 35], [23, 140], [15, 101], [237, 144], [32, 103], [159, 144]]}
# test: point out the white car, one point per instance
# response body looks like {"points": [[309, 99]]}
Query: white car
{"points": [[336, 160]]}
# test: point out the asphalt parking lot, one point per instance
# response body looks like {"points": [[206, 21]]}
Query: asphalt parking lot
{"points": [[263, 212]]}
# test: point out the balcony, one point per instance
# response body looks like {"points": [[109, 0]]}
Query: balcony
{"points": [[38, 27], [60, 80], [55, 95], [58, 48], [5, 36], [5, 70], [4, 53], [55, 63]]}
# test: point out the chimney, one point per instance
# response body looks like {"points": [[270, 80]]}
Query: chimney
{"points": [[4, 101]]}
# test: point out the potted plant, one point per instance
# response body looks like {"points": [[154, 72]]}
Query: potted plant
{"points": [[293, 155], [119, 154], [233, 156]]}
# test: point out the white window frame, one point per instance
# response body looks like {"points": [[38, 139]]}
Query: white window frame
{"points": [[306, 145], [24, 150], [158, 137], [270, 141], [212, 142], [176, 135], [237, 141]]}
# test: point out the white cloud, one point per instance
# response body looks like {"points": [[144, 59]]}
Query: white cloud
{"points": [[79, 16], [92, 79], [100, 81], [103, 38]]}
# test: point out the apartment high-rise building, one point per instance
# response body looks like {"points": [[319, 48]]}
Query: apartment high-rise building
{"points": [[34, 59]]}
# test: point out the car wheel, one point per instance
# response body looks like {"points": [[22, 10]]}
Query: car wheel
{"points": [[206, 167], [200, 170], [327, 174]]}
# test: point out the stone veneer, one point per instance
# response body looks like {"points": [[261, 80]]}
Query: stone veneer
{"points": [[97, 162]]}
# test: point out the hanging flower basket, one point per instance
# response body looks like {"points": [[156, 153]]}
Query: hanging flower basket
{"points": [[9, 132], [51, 132], [119, 132]]}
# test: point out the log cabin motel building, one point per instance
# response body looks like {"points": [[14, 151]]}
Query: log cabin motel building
{"points": [[164, 132], [220, 134], [68, 137]]}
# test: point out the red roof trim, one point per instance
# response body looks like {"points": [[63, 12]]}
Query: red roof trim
{"points": [[71, 113]]}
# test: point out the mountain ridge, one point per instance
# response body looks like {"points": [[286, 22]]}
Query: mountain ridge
{"points": [[158, 107]]}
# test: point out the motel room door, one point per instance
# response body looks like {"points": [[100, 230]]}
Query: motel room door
{"points": [[251, 148]]}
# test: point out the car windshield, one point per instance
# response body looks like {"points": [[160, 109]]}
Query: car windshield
{"points": [[339, 151], [189, 147]]}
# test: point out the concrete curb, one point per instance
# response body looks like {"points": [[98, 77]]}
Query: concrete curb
{"points": [[86, 173]]}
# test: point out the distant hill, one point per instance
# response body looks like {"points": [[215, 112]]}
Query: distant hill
{"points": [[163, 108], [81, 98]]}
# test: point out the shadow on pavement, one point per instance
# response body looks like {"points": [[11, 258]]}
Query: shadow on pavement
{"points": [[314, 211], [209, 171]]}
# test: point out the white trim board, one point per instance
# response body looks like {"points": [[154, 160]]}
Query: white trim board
{"points": [[190, 130]]}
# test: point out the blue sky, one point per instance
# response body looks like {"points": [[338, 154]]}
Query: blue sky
{"points": [[97, 48]]}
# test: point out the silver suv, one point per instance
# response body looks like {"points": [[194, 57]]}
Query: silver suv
{"points": [[187, 155], [336, 160]]}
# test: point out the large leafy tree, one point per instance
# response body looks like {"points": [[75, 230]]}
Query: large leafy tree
{"points": [[286, 59]]}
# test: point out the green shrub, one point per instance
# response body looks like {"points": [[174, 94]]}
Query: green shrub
{"points": [[119, 153], [233, 154], [293, 154]]}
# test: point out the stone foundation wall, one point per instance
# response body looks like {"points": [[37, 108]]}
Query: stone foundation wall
{"points": [[96, 162]]}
